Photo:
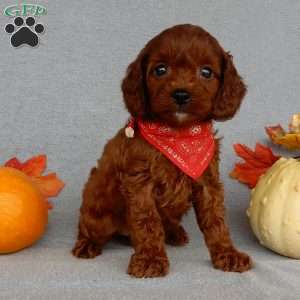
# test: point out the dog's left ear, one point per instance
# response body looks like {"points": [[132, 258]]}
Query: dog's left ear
{"points": [[232, 91], [134, 86]]}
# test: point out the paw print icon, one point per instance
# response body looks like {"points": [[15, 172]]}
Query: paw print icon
{"points": [[24, 32]]}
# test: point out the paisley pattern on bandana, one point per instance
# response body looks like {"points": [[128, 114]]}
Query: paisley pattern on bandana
{"points": [[191, 149]]}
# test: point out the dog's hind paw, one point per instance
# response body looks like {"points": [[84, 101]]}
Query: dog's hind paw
{"points": [[177, 237], [86, 249]]}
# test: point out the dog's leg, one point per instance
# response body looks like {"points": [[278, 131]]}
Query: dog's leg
{"points": [[174, 231], [208, 203], [97, 224], [176, 235], [146, 231], [93, 234]]}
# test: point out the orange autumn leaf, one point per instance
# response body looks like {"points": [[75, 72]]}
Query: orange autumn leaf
{"points": [[35, 166], [32, 167], [14, 163], [49, 185], [256, 163]]}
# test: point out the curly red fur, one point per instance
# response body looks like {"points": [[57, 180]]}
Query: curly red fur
{"points": [[135, 191]]}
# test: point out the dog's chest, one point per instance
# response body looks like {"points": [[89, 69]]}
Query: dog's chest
{"points": [[172, 188]]}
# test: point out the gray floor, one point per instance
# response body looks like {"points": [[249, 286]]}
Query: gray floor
{"points": [[48, 271], [63, 99]]}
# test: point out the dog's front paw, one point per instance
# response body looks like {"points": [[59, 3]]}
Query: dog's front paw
{"points": [[232, 261], [142, 266], [86, 249]]}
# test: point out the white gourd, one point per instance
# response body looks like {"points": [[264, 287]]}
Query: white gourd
{"points": [[274, 211]]}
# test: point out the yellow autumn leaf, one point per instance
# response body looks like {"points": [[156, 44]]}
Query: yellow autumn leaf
{"points": [[289, 140]]}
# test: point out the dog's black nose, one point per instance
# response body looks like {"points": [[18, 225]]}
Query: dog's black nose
{"points": [[181, 97]]}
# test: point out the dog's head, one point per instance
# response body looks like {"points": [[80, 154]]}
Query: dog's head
{"points": [[181, 76]]}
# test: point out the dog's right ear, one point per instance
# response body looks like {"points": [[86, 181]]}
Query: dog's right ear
{"points": [[134, 87], [231, 92]]}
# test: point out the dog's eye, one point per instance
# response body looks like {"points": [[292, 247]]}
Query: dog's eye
{"points": [[206, 72], [160, 70]]}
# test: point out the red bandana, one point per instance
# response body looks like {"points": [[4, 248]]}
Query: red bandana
{"points": [[190, 149]]}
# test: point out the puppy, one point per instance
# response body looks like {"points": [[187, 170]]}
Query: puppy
{"points": [[167, 159]]}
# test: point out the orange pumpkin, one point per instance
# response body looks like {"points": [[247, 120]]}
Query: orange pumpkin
{"points": [[23, 211], [24, 193]]}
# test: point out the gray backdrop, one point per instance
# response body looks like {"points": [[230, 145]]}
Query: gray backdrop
{"points": [[63, 98]]}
